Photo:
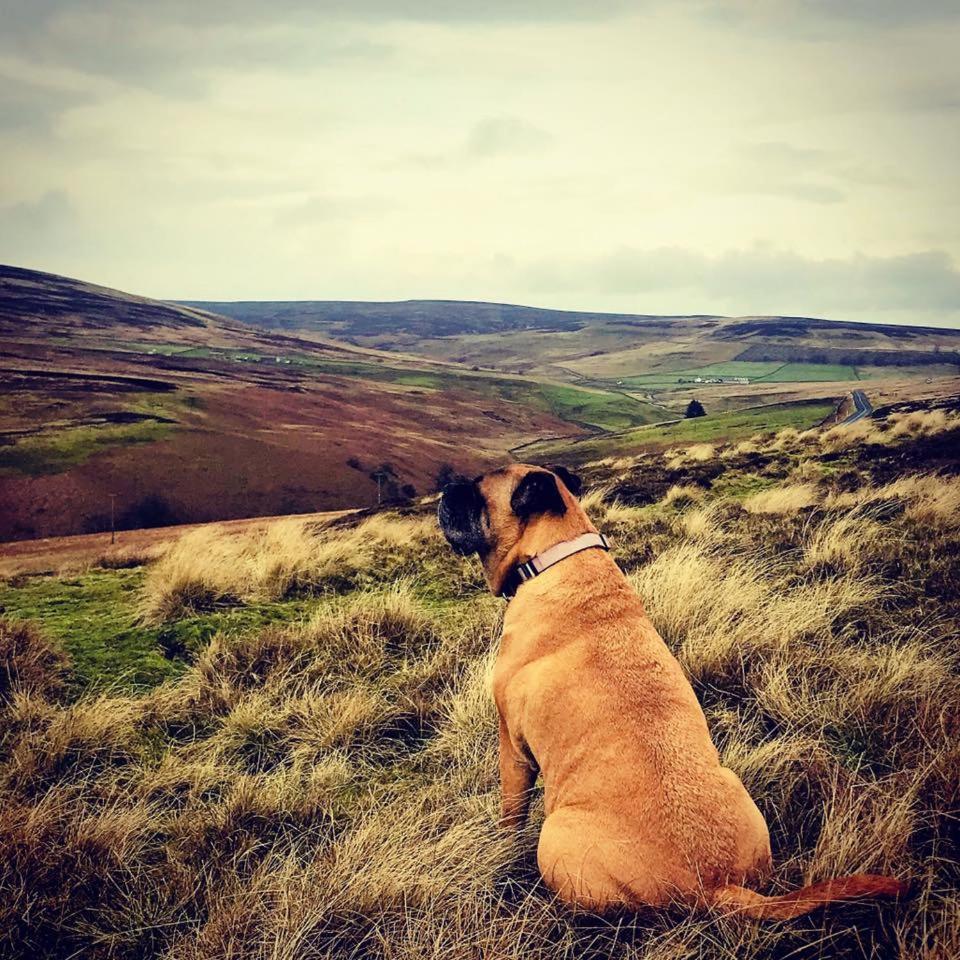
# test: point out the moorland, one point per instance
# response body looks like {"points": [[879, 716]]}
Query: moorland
{"points": [[277, 740], [118, 410]]}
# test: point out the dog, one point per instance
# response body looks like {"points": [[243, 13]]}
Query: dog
{"points": [[640, 812]]}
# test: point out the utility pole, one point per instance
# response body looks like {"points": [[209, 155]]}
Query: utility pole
{"points": [[113, 511]]}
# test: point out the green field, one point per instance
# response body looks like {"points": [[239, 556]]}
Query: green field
{"points": [[608, 411], [94, 617], [756, 372], [727, 426], [808, 372]]}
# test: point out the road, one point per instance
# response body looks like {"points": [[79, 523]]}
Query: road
{"points": [[863, 407]]}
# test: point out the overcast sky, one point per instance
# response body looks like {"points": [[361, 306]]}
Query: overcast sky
{"points": [[740, 157]]}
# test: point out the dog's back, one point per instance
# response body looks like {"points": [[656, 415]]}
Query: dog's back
{"points": [[619, 734]]}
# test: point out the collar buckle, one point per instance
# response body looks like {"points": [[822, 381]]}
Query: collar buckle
{"points": [[533, 567]]}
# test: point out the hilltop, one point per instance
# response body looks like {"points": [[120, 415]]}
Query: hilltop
{"points": [[610, 346]]}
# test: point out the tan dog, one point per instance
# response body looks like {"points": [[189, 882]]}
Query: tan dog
{"points": [[639, 810]]}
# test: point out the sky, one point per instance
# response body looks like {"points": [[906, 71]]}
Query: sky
{"points": [[743, 157]]}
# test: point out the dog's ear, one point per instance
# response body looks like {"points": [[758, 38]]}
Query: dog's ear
{"points": [[570, 480], [537, 492]]}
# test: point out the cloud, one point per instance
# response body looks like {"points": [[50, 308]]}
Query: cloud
{"points": [[760, 281], [27, 107], [496, 136], [326, 209], [45, 226], [816, 19], [776, 168], [145, 47]]}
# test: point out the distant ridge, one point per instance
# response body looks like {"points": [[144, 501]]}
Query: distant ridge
{"points": [[420, 317], [439, 318]]}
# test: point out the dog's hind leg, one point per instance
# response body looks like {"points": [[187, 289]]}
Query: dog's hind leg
{"points": [[585, 864]]}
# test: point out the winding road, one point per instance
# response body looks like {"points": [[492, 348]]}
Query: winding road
{"points": [[863, 407]]}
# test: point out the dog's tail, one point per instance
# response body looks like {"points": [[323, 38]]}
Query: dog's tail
{"points": [[858, 886]]}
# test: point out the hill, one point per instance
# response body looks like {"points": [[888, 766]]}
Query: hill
{"points": [[30, 300], [158, 413], [278, 740], [118, 408], [604, 349]]}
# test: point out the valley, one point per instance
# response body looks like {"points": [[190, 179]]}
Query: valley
{"points": [[125, 411]]}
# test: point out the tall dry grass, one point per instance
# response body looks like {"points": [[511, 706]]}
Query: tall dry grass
{"points": [[206, 568], [788, 498], [329, 788]]}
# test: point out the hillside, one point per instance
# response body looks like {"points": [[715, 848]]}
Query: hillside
{"points": [[278, 740], [159, 414], [30, 300], [604, 348]]}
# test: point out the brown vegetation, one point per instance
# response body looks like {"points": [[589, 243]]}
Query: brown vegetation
{"points": [[328, 788]]}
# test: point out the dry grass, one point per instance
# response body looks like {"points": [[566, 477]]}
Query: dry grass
{"points": [[928, 499], [683, 495], [205, 568], [785, 499], [29, 665], [695, 453], [845, 436], [846, 543], [922, 423], [329, 788]]}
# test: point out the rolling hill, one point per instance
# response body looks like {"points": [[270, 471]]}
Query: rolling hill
{"points": [[149, 413], [600, 347], [161, 413]]}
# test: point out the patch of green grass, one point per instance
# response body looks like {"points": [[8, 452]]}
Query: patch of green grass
{"points": [[94, 618], [609, 411], [739, 485], [732, 368], [756, 372], [725, 426], [809, 372], [59, 450]]}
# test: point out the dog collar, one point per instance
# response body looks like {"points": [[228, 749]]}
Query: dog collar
{"points": [[552, 555]]}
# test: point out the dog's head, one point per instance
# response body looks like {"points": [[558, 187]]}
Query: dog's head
{"points": [[510, 514]]}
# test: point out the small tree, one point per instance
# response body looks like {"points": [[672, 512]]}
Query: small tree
{"points": [[695, 409]]}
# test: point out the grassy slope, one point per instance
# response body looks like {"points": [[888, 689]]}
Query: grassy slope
{"points": [[320, 780], [758, 372], [57, 449], [724, 426]]}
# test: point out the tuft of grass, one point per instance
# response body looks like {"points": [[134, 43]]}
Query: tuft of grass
{"points": [[29, 663], [683, 495], [206, 569], [785, 499]]}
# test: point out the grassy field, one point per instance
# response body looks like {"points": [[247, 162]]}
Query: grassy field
{"points": [[725, 426], [803, 372], [759, 372], [58, 450], [608, 411], [281, 744]]}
